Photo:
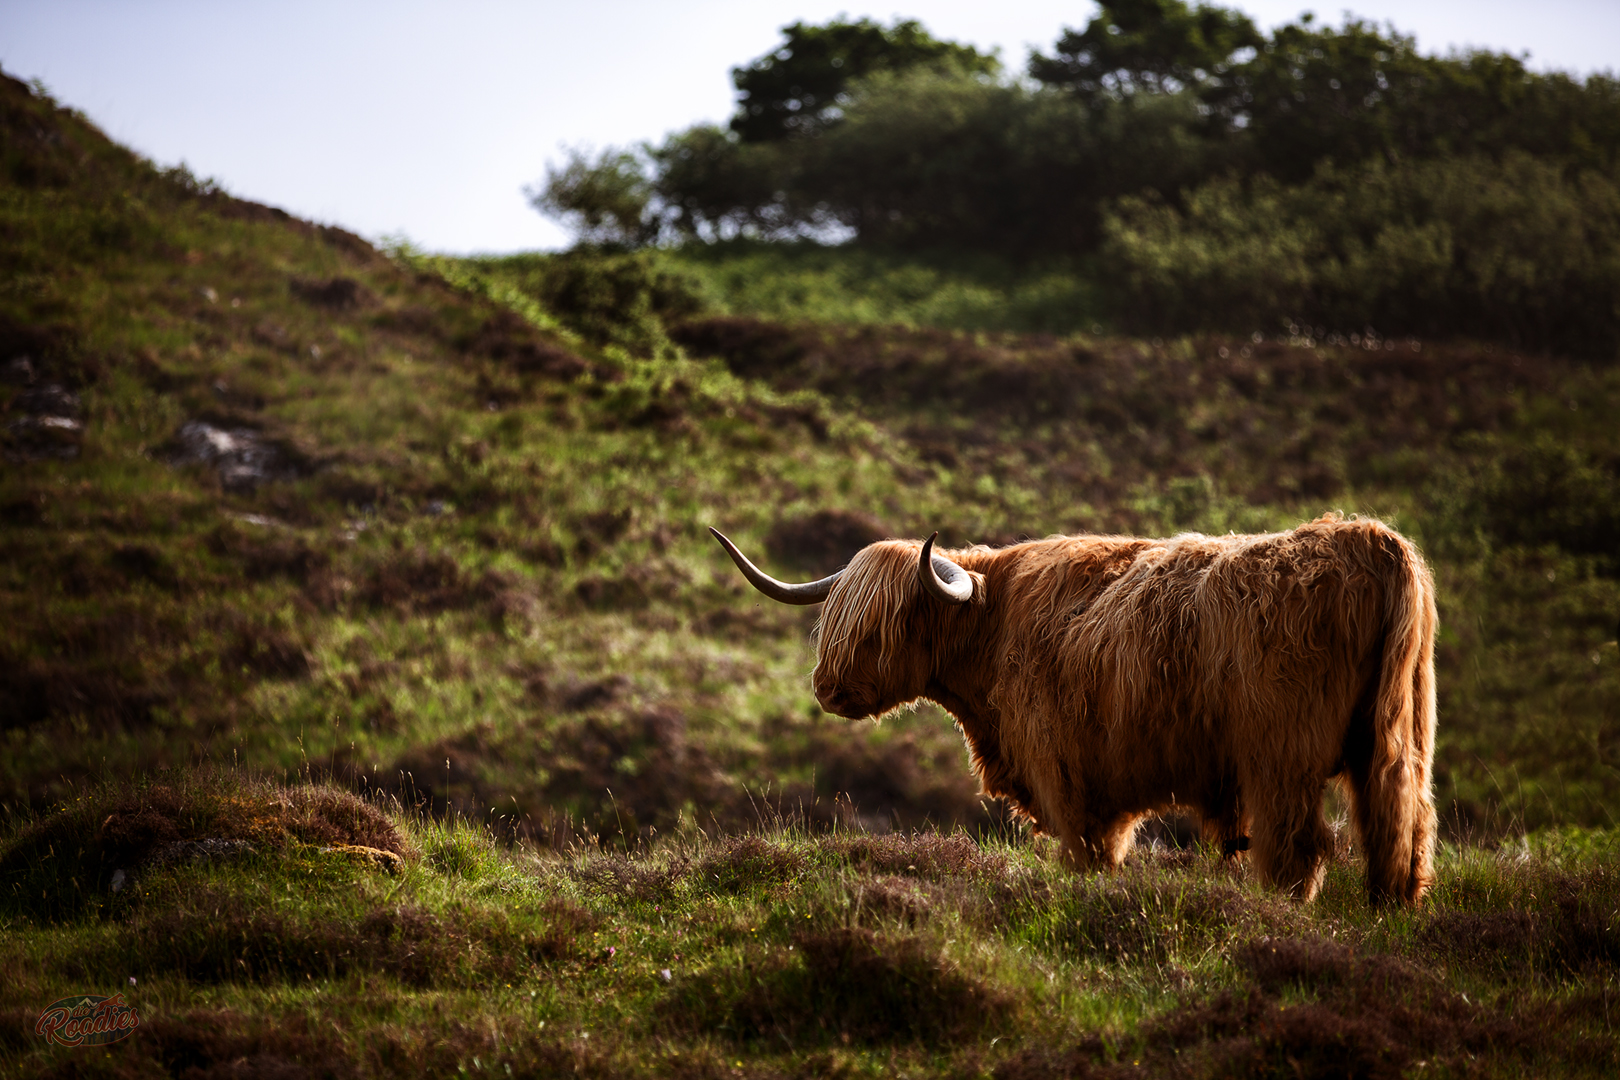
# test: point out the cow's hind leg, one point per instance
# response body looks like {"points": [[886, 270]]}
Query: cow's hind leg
{"points": [[1289, 840]]}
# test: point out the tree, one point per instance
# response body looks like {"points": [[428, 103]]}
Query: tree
{"points": [[713, 186], [1358, 91], [1145, 47], [606, 201], [796, 88]]}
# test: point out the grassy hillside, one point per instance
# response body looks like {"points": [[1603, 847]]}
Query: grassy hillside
{"points": [[309, 506], [278, 504]]}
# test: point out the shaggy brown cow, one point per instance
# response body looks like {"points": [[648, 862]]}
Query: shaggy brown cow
{"points": [[1100, 679]]}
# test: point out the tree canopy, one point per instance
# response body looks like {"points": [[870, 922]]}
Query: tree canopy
{"points": [[795, 88], [1146, 46]]}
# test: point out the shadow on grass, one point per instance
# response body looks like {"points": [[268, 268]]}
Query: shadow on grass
{"points": [[841, 985]]}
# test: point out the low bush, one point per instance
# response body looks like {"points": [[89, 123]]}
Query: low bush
{"points": [[606, 297]]}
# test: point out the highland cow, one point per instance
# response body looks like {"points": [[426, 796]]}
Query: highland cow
{"points": [[1101, 679]]}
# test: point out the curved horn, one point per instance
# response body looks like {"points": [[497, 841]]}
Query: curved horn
{"points": [[811, 593], [942, 578]]}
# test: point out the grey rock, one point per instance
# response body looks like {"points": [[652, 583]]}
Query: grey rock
{"points": [[241, 455]]}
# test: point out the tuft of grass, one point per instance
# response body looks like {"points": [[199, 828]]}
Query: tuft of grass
{"points": [[84, 854], [750, 862]]}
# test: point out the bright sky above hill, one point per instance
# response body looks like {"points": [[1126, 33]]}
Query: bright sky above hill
{"points": [[427, 119]]}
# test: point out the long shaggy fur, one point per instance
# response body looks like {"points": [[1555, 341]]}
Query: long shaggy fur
{"points": [[1099, 679]]}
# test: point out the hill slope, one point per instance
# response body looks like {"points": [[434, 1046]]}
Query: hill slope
{"points": [[434, 526]]}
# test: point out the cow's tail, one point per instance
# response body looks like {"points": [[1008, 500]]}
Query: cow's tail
{"points": [[1397, 815]]}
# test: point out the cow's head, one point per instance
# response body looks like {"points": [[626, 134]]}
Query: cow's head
{"points": [[871, 652]]}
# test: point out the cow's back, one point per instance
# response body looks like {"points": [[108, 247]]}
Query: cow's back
{"points": [[1150, 667]]}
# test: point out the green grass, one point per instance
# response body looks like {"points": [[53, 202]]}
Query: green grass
{"points": [[851, 286], [786, 951]]}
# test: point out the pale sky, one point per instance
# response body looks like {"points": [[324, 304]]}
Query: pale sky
{"points": [[427, 119]]}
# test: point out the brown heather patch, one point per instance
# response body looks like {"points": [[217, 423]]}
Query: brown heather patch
{"points": [[884, 988], [1363, 1017], [109, 691], [216, 938], [222, 1044], [1090, 1059], [108, 663], [1373, 1016], [1143, 917], [459, 1048], [1495, 939], [568, 926], [1312, 962], [923, 854], [1573, 930], [262, 650], [509, 339], [897, 898], [1151, 413], [614, 775], [902, 783], [1374, 1020], [842, 985], [823, 541], [423, 581], [614, 592], [634, 879], [212, 1044], [334, 294], [264, 553], [741, 863]]}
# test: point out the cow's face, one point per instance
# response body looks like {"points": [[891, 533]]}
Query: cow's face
{"points": [[869, 657], [872, 652], [869, 681]]}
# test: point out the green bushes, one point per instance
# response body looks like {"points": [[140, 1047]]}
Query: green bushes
{"points": [[930, 160], [1518, 250]]}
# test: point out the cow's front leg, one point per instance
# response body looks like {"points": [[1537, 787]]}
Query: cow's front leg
{"points": [[1102, 846]]}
